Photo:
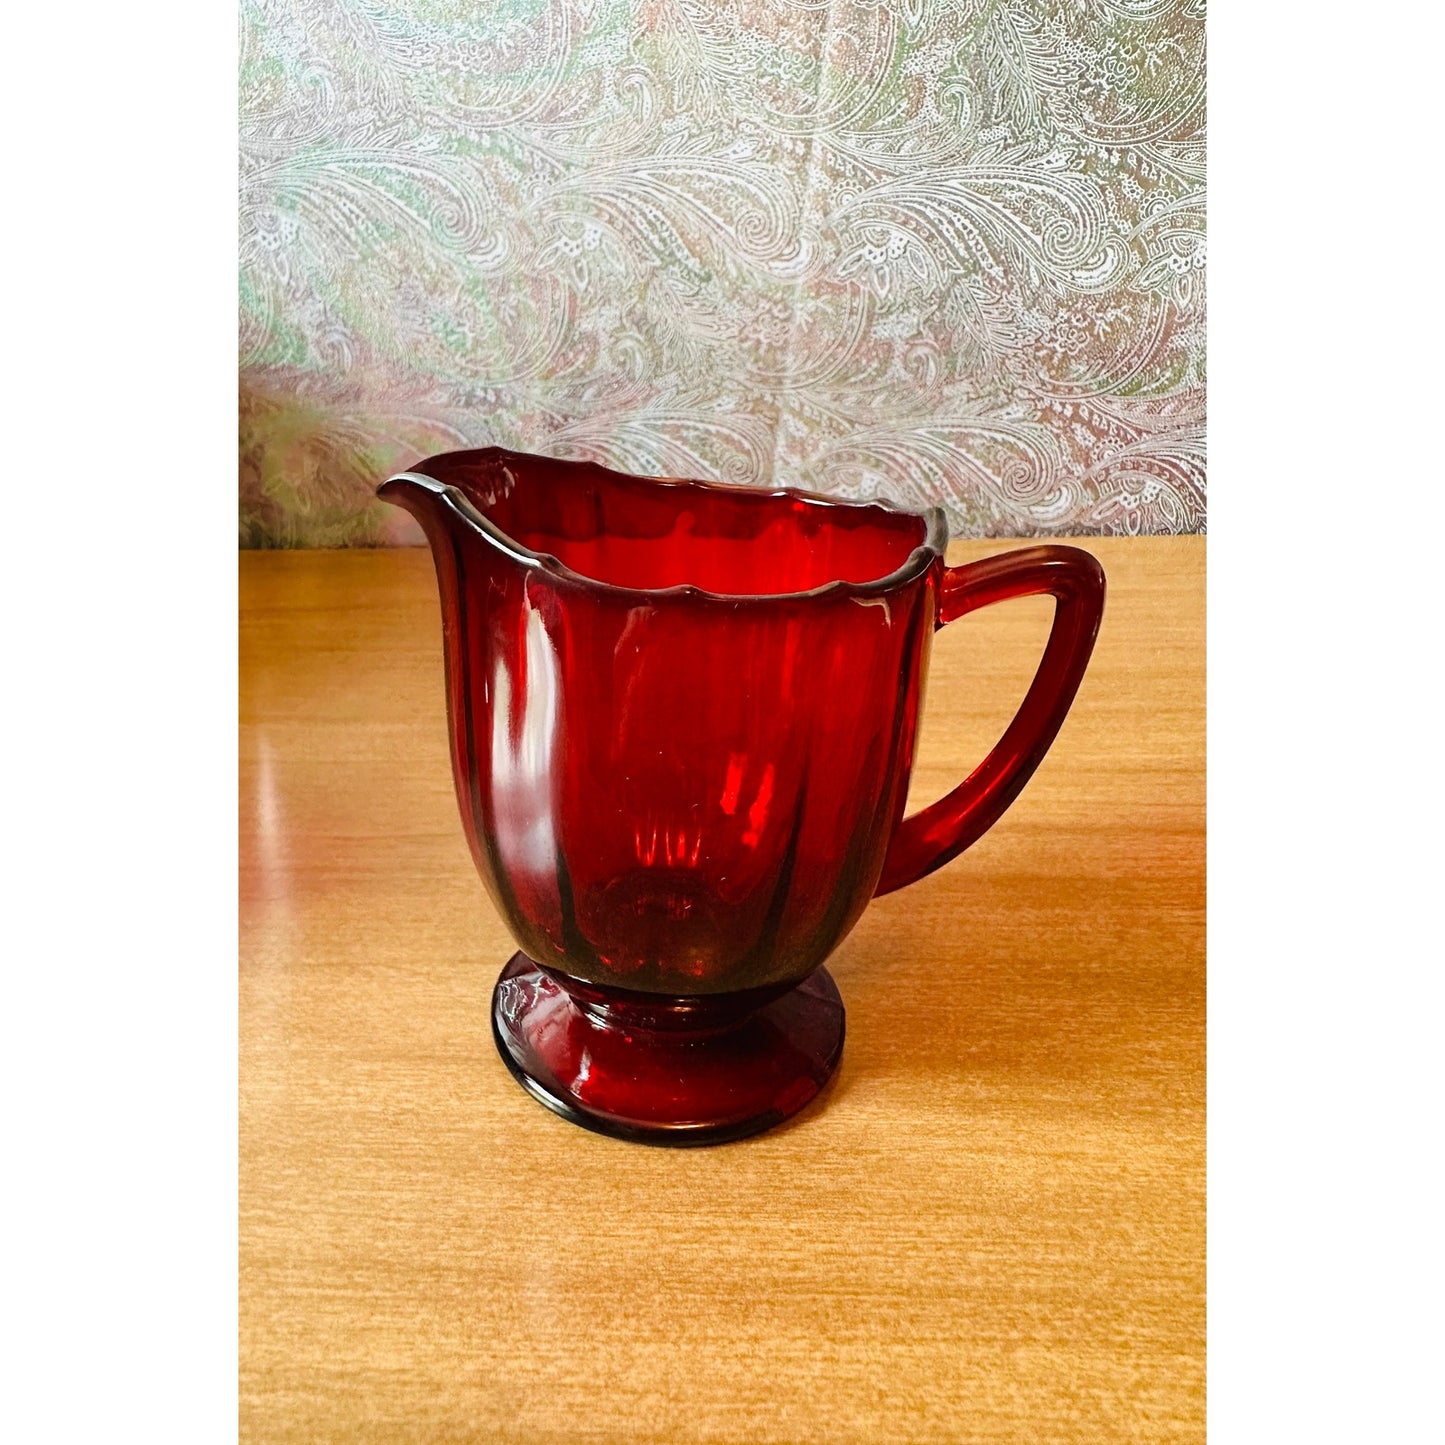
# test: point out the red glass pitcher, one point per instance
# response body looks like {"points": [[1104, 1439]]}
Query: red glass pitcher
{"points": [[682, 722]]}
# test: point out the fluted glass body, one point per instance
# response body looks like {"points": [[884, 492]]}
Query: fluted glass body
{"points": [[681, 754]]}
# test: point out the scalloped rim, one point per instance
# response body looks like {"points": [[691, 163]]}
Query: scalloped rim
{"points": [[918, 561]]}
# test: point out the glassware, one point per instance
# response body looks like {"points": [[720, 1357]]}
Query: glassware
{"points": [[682, 721]]}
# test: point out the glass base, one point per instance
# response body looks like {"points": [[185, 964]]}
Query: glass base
{"points": [[662, 1070]]}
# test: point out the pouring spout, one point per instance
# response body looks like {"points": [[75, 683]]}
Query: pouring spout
{"points": [[445, 512], [406, 489], [444, 498], [424, 497]]}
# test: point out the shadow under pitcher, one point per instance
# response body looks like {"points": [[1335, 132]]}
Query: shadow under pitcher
{"points": [[682, 721]]}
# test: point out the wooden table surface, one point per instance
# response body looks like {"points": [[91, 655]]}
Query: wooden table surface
{"points": [[989, 1228]]}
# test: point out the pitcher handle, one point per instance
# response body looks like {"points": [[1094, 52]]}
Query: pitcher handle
{"points": [[940, 832]]}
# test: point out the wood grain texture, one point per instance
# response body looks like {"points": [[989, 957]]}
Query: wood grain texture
{"points": [[991, 1226]]}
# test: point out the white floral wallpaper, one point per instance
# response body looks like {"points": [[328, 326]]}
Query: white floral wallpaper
{"points": [[945, 252]]}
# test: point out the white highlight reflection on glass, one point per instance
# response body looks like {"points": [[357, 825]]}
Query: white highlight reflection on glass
{"points": [[522, 774]]}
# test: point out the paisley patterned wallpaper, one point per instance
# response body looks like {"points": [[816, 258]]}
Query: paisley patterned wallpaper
{"points": [[937, 251]]}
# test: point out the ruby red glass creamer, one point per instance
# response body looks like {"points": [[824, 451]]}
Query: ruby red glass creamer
{"points": [[682, 722]]}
